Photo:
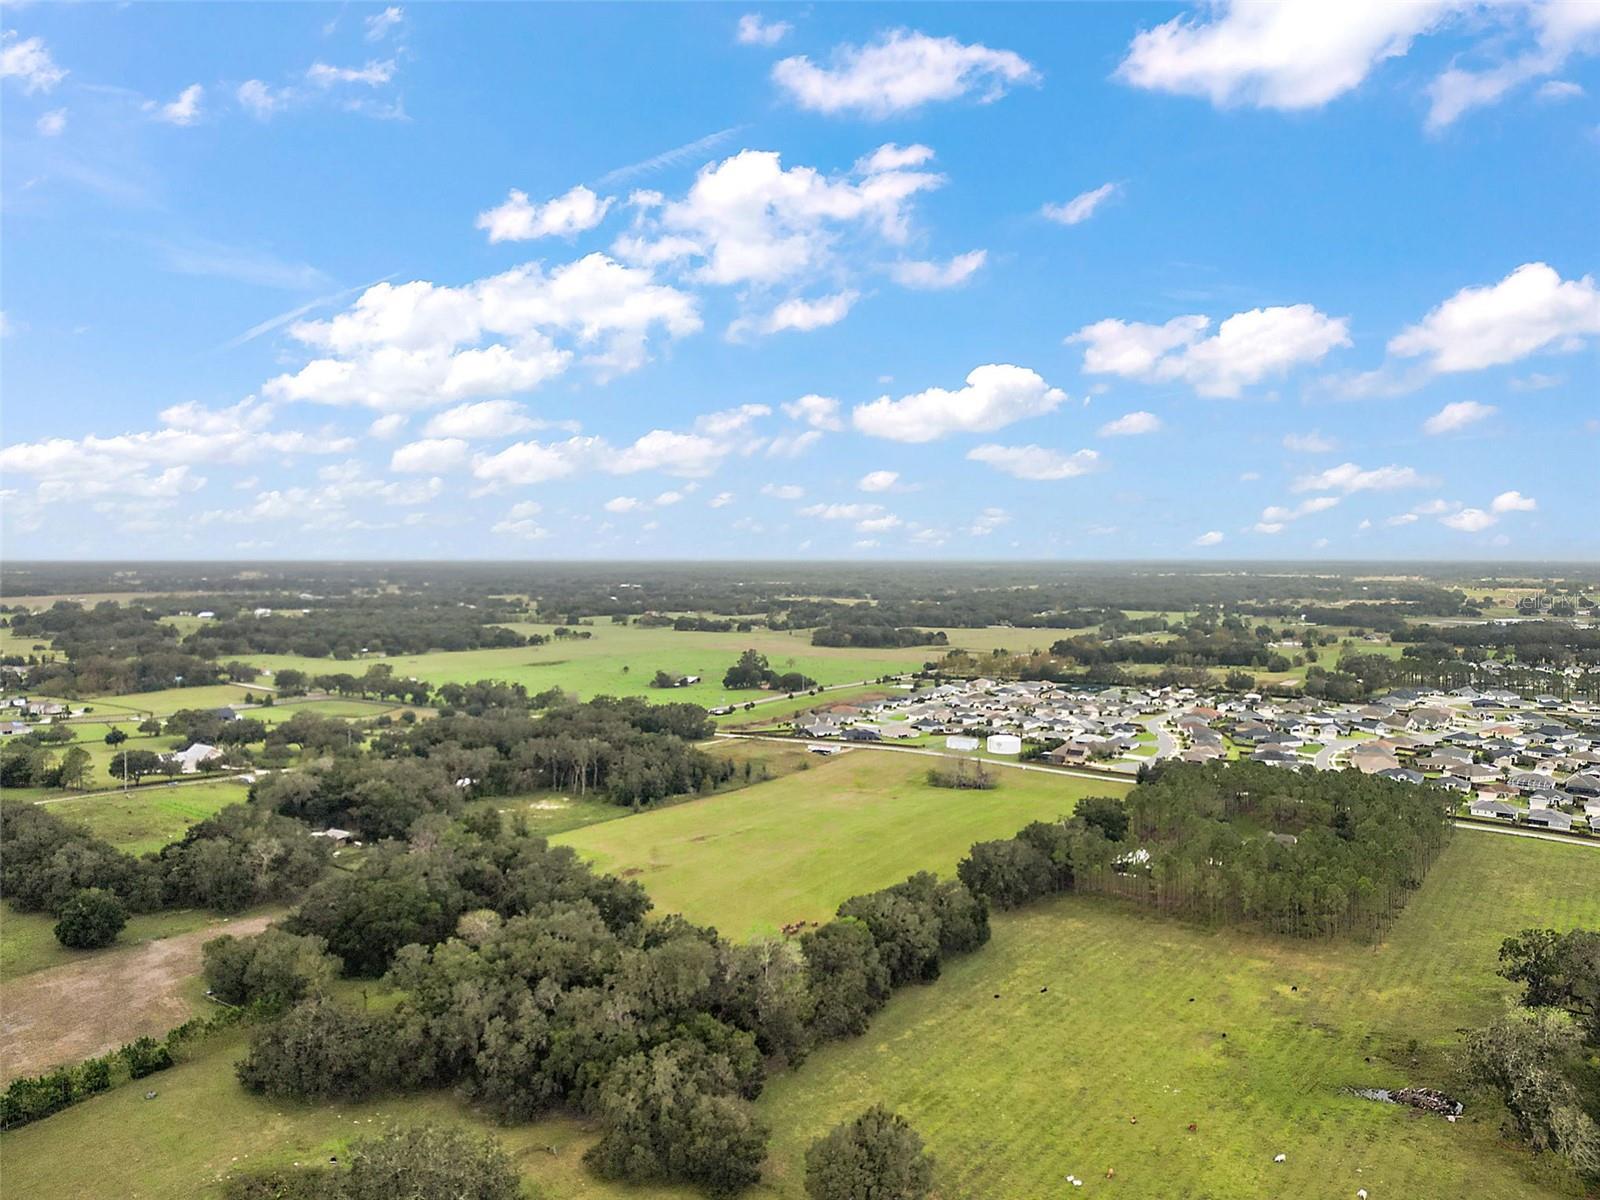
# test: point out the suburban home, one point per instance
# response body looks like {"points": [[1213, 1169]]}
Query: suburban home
{"points": [[1496, 810], [1550, 818], [861, 733]]}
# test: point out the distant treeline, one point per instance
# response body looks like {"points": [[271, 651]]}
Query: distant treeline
{"points": [[869, 635]]}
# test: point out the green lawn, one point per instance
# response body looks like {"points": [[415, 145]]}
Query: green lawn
{"points": [[752, 860]]}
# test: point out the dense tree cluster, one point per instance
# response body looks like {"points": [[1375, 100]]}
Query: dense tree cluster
{"points": [[629, 751], [241, 856], [872, 635], [1311, 854], [753, 671], [532, 983], [1308, 854], [389, 626]]}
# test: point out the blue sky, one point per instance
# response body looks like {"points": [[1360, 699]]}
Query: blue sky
{"points": [[562, 281]]}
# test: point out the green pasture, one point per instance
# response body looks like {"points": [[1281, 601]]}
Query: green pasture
{"points": [[752, 860], [620, 660], [152, 815], [1014, 1087]]}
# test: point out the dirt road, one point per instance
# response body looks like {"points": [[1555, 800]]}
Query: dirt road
{"points": [[85, 1008]]}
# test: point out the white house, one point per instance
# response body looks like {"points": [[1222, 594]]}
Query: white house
{"points": [[189, 760]]}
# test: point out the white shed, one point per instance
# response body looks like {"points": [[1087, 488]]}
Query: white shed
{"points": [[1004, 743], [960, 742]]}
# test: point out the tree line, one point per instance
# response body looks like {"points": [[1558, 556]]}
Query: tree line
{"points": [[533, 983]]}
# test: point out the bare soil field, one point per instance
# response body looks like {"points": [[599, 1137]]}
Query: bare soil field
{"points": [[85, 1008]]}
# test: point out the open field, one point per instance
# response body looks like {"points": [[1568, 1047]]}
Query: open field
{"points": [[1059, 1076], [152, 815], [620, 660], [1012, 1094], [752, 860], [114, 996], [28, 942], [168, 701]]}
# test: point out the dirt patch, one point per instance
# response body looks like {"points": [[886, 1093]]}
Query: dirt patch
{"points": [[85, 1008]]}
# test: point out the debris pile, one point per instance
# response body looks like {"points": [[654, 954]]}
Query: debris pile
{"points": [[1426, 1099]]}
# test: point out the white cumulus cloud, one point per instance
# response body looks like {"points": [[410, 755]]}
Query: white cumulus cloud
{"points": [[1247, 347], [900, 72], [1287, 54], [1513, 502], [934, 276], [878, 481], [754, 30], [1348, 477], [1035, 462], [1458, 415], [1530, 310], [995, 395], [1132, 425], [520, 220]]}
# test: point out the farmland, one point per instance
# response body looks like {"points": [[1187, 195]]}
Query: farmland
{"points": [[146, 818], [1061, 1076], [620, 660], [1013, 1093], [792, 849]]}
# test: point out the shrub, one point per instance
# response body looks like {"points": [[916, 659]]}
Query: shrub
{"points": [[91, 919]]}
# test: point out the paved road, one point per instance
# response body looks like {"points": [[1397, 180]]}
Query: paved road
{"points": [[1166, 744], [1537, 835]]}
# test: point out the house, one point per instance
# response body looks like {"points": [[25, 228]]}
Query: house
{"points": [[862, 733], [12, 728], [225, 714], [1550, 818], [189, 760], [1586, 785], [1401, 775], [1495, 810], [337, 836]]}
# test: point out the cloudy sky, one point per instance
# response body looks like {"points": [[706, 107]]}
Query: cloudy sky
{"points": [[1299, 280]]}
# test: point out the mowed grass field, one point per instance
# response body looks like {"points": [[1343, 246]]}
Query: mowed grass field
{"points": [[752, 860], [1015, 1087], [1105, 1070], [595, 665]]}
